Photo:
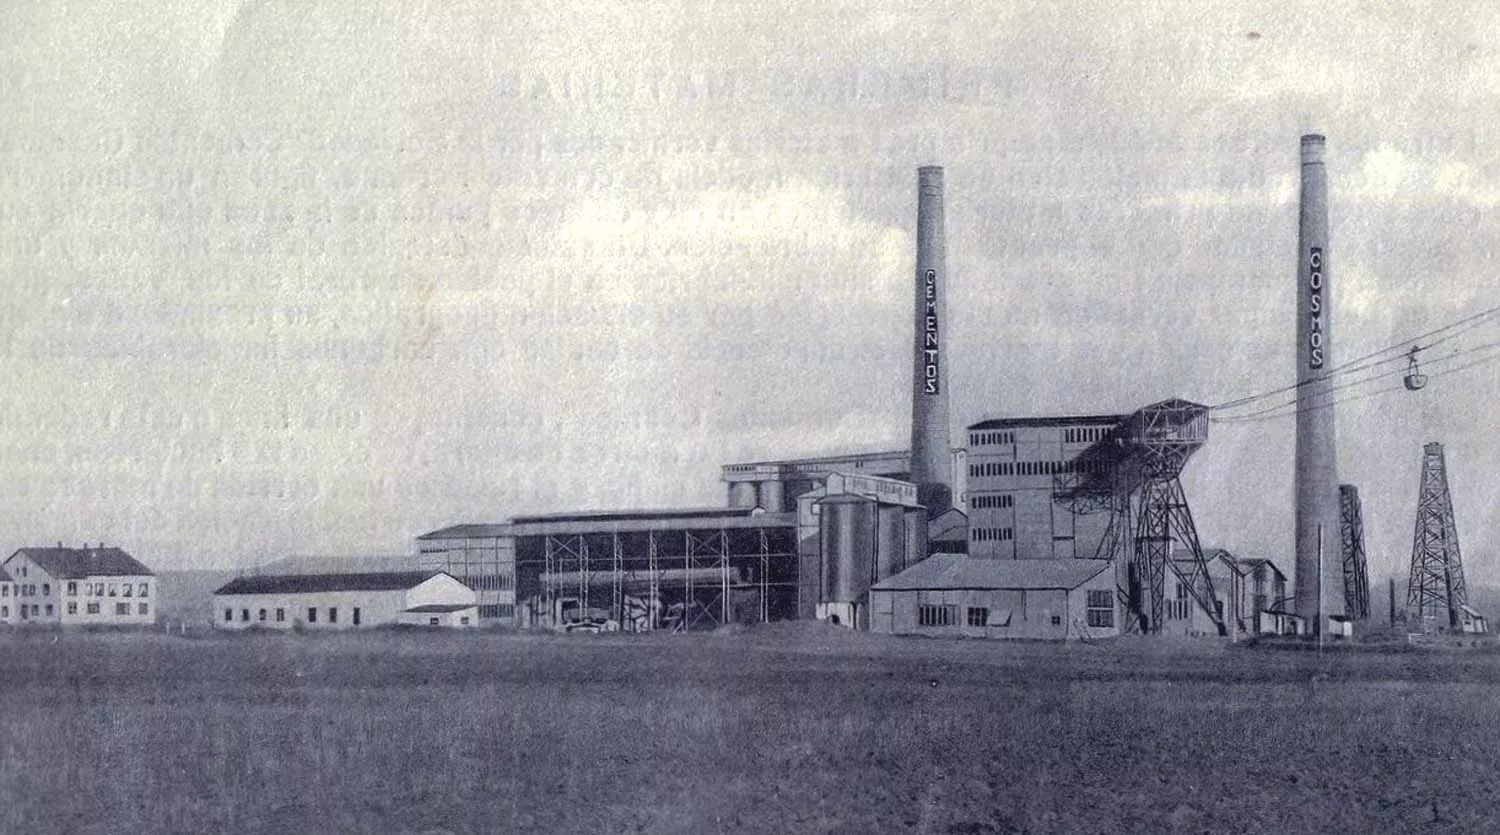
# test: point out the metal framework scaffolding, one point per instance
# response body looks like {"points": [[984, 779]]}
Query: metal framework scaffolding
{"points": [[677, 580], [1133, 474], [1356, 573], [1436, 586]]}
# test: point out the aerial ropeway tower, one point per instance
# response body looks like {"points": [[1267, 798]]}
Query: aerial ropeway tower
{"points": [[1133, 474]]}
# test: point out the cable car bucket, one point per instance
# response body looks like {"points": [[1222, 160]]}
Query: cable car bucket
{"points": [[1415, 379]]}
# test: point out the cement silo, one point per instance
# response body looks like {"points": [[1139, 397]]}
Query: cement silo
{"points": [[848, 538]]}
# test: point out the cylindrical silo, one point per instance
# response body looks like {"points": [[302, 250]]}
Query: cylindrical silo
{"points": [[890, 541], [773, 496], [742, 494], [847, 527], [916, 539]]}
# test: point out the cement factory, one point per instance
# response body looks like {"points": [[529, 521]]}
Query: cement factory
{"points": [[1051, 527]]}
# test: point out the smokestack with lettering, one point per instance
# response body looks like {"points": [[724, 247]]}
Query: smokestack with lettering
{"points": [[1320, 564], [931, 447]]}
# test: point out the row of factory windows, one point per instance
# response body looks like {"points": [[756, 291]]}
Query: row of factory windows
{"points": [[1071, 435], [498, 610], [1099, 613], [34, 610], [991, 438], [1085, 434], [983, 501], [90, 589], [991, 534], [1001, 468], [312, 615]]}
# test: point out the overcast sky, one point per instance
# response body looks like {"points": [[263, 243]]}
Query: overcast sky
{"points": [[318, 277]]}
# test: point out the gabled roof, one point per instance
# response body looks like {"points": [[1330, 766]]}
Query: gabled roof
{"points": [[1242, 565], [955, 571], [74, 563], [1249, 563], [949, 526], [311, 583]]}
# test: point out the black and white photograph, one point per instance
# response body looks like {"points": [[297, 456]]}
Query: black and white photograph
{"points": [[1006, 416]]}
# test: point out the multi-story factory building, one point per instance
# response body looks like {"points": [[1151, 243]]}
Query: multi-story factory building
{"points": [[1014, 468]]}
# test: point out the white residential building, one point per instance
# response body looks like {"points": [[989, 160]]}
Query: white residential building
{"points": [[79, 587]]}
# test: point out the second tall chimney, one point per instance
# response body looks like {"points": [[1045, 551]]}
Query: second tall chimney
{"points": [[1319, 553]]}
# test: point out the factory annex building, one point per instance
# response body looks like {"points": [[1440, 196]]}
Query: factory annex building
{"points": [[950, 594], [345, 601]]}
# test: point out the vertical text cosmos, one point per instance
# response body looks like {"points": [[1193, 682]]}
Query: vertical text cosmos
{"points": [[1315, 307]]}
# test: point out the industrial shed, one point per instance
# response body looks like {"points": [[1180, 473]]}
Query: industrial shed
{"points": [[955, 595], [345, 601]]}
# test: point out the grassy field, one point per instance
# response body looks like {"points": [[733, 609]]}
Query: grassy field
{"points": [[789, 728]]}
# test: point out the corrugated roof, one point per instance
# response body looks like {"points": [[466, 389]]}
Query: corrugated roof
{"points": [[815, 461], [441, 608], [624, 522], [1074, 420], [954, 571], [310, 583], [74, 563], [645, 513]]}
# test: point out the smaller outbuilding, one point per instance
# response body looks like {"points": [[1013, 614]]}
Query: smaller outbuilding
{"points": [[953, 594], [1471, 621], [345, 601]]}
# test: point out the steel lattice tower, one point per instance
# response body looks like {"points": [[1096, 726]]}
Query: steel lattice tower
{"points": [[1356, 573], [1436, 587], [1133, 475]]}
